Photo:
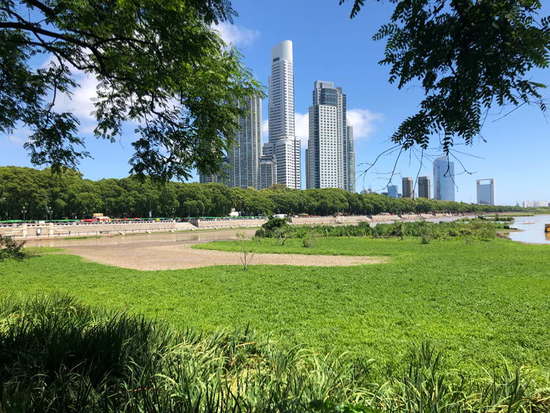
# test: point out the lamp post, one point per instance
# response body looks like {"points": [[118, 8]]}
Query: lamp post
{"points": [[24, 212]]}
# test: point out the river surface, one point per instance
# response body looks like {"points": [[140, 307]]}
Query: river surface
{"points": [[531, 229], [146, 240]]}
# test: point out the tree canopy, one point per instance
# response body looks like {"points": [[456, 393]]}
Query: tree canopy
{"points": [[469, 55], [27, 193], [159, 64]]}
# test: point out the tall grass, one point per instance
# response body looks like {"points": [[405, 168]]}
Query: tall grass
{"points": [[58, 355], [477, 228]]}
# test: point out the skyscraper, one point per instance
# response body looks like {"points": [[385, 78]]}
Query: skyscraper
{"points": [[268, 172], [209, 179], [424, 187], [220, 178], [328, 144], [283, 146], [408, 189], [393, 191], [349, 160], [444, 179], [241, 166], [244, 156], [485, 191]]}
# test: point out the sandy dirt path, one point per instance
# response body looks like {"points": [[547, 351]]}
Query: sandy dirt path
{"points": [[170, 257], [173, 251]]}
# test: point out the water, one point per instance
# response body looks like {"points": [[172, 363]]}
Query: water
{"points": [[531, 229], [147, 240]]}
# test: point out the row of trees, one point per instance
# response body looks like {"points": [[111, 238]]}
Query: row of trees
{"points": [[27, 193]]}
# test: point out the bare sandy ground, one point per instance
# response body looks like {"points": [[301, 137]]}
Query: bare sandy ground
{"points": [[173, 251], [170, 257]]}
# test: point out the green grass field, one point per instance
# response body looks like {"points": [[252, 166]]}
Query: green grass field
{"points": [[481, 302]]}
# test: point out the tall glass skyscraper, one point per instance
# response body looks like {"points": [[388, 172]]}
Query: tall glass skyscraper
{"points": [[241, 166], [244, 156], [444, 179], [349, 160], [283, 146], [393, 191]]}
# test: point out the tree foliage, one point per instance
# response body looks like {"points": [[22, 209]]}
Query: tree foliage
{"points": [[159, 66], [469, 56], [27, 193]]}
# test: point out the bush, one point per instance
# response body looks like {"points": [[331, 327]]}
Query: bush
{"points": [[9, 248], [426, 231], [308, 241], [273, 227]]}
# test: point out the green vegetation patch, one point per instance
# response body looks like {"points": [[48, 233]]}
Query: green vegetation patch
{"points": [[37, 251], [481, 302], [59, 355], [479, 228]]}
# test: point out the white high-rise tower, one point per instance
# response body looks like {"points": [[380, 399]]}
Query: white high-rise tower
{"points": [[330, 156], [283, 146]]}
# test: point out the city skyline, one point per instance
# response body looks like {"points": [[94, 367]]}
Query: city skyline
{"points": [[518, 139]]}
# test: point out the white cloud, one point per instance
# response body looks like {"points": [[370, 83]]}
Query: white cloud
{"points": [[19, 136], [81, 102], [302, 127], [363, 122], [236, 35], [265, 130]]}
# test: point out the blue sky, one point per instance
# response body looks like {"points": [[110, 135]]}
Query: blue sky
{"points": [[330, 46]]}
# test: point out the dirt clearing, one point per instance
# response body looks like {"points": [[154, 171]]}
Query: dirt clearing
{"points": [[173, 251]]}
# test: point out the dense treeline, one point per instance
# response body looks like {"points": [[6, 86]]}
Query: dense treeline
{"points": [[27, 193]]}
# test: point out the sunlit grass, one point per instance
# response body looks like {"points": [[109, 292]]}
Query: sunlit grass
{"points": [[481, 302]]}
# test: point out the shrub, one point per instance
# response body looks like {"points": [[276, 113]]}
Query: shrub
{"points": [[9, 248], [426, 231], [308, 241], [273, 227]]}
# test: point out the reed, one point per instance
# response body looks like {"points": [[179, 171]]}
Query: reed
{"points": [[59, 355]]}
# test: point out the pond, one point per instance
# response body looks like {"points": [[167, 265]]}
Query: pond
{"points": [[531, 229]]}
